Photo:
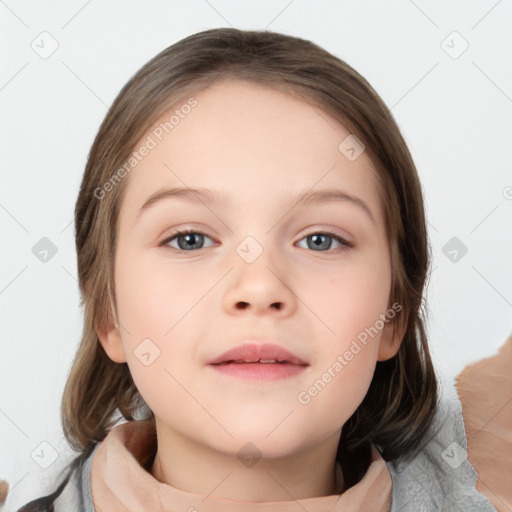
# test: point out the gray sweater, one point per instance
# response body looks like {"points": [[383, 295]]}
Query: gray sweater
{"points": [[439, 478]]}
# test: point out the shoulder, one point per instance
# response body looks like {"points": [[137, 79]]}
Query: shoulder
{"points": [[77, 495], [440, 477]]}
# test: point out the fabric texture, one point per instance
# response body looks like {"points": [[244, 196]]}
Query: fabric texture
{"points": [[119, 482], [439, 478]]}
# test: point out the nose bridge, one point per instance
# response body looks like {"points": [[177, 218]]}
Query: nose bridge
{"points": [[259, 281]]}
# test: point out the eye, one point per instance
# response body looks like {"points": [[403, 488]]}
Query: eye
{"points": [[319, 240], [190, 239], [187, 240]]}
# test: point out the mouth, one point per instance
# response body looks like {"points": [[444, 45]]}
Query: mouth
{"points": [[265, 362]]}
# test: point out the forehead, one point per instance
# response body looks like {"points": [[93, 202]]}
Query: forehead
{"points": [[252, 140]]}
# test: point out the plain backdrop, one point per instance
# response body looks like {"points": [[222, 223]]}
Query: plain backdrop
{"points": [[443, 68]]}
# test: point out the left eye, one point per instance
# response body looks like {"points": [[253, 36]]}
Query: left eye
{"points": [[189, 240], [323, 240]]}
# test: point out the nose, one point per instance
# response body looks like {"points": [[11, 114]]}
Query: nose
{"points": [[259, 287]]}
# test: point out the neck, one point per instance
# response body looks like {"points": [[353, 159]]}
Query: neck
{"points": [[192, 467]]}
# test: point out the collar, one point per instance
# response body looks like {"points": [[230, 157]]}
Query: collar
{"points": [[121, 482]]}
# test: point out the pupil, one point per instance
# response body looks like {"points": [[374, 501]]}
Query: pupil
{"points": [[318, 242], [190, 239]]}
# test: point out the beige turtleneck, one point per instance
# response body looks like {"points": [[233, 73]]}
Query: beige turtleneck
{"points": [[120, 483]]}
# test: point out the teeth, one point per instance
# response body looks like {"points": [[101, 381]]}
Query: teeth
{"points": [[268, 360]]}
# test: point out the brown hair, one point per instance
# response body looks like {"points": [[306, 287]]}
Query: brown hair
{"points": [[402, 398]]}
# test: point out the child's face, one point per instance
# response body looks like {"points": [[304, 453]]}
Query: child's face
{"points": [[260, 149]]}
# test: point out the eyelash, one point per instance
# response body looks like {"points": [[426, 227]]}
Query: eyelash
{"points": [[346, 245]]}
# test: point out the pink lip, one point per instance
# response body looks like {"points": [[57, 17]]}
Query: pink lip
{"points": [[287, 364]]}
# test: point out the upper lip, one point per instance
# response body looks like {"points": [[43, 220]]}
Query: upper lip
{"points": [[252, 352]]}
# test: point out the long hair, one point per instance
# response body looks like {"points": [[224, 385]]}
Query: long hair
{"points": [[402, 398]]}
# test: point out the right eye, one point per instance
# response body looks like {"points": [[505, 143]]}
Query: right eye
{"points": [[187, 240]]}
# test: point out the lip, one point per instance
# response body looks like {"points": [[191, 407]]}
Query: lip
{"points": [[286, 365], [252, 352]]}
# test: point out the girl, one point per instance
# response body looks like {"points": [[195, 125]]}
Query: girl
{"points": [[252, 254]]}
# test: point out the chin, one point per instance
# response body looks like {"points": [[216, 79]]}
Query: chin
{"points": [[270, 438]]}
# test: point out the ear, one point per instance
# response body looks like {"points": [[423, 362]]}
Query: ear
{"points": [[389, 342], [110, 339]]}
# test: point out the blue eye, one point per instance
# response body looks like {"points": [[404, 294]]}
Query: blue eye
{"points": [[323, 239], [189, 240]]}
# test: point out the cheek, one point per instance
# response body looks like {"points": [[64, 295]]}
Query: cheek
{"points": [[348, 299], [153, 299], [349, 308], [340, 381], [157, 313]]}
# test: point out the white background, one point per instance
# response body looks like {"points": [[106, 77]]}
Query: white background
{"points": [[455, 114]]}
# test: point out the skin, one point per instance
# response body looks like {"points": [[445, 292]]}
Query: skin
{"points": [[262, 148]]}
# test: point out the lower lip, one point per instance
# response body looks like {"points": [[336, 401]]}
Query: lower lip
{"points": [[260, 371]]}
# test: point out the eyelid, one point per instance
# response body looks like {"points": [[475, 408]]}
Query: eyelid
{"points": [[334, 234], [180, 232], [344, 242]]}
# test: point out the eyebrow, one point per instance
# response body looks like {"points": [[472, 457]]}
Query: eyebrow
{"points": [[307, 198]]}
